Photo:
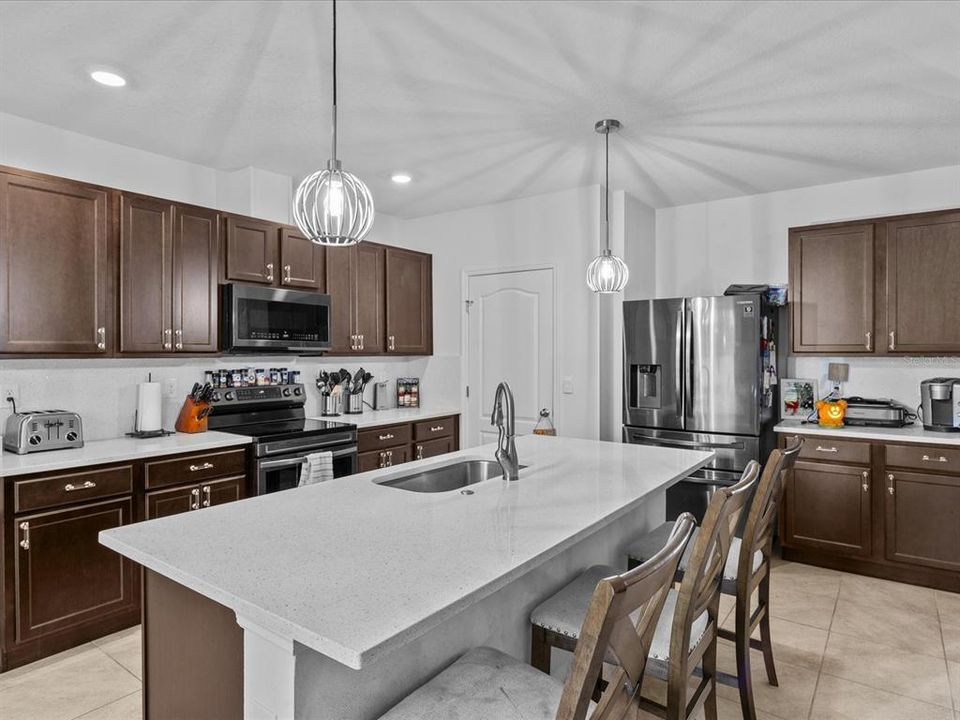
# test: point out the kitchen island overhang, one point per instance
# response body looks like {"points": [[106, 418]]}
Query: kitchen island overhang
{"points": [[353, 571]]}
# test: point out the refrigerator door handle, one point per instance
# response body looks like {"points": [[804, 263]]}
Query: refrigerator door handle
{"points": [[692, 444], [688, 365], [677, 384]]}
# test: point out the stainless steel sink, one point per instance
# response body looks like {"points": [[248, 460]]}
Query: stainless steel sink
{"points": [[447, 477]]}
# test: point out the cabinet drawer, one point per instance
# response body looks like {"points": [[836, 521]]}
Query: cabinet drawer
{"points": [[45, 492], [432, 448], [436, 428], [924, 457], [383, 458], [830, 450], [384, 437], [194, 468]]}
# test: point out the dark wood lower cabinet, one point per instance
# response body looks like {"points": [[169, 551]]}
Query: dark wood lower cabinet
{"points": [[923, 519], [828, 508], [394, 444], [431, 448], [161, 503]]}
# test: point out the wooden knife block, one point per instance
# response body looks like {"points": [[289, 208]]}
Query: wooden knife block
{"points": [[189, 420]]}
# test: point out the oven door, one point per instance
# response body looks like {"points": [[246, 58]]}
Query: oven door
{"points": [[270, 319], [283, 472]]}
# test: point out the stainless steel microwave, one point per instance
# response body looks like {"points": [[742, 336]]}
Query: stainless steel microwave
{"points": [[257, 319]]}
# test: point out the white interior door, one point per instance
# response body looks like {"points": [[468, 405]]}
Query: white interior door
{"points": [[510, 337]]}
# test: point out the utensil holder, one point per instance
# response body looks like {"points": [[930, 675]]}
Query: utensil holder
{"points": [[353, 404], [330, 405], [192, 417]]}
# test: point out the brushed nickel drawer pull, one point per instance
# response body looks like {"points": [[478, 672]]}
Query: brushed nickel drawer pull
{"points": [[167, 342], [893, 339], [820, 448], [392, 342], [287, 274], [388, 436], [869, 337], [195, 499], [269, 272], [890, 483], [179, 334], [866, 480], [419, 452], [206, 495], [438, 428], [940, 459], [203, 466], [25, 542], [85, 485], [101, 338]]}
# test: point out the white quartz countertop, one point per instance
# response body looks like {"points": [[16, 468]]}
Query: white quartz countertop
{"points": [[97, 452], [909, 434], [353, 569], [374, 418]]}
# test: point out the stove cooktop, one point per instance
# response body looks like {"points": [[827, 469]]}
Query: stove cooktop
{"points": [[289, 429]]}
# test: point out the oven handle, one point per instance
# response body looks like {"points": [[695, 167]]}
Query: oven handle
{"points": [[273, 464]]}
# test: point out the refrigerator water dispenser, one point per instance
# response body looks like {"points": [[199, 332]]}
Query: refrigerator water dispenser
{"points": [[645, 386]]}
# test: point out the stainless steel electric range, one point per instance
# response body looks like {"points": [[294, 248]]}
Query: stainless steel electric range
{"points": [[274, 417]]}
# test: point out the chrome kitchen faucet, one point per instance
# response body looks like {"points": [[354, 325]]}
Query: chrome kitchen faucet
{"points": [[506, 453]]}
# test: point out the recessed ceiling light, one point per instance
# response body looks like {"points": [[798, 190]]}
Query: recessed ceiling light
{"points": [[401, 178], [110, 79]]}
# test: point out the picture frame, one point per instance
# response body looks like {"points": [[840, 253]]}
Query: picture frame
{"points": [[798, 398]]}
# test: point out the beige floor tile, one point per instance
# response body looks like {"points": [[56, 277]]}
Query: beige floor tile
{"points": [[729, 710], [954, 670], [789, 701], [839, 699], [801, 607], [66, 688], [900, 628], [12, 676], [874, 591], [949, 606], [951, 641], [125, 648], [793, 644], [920, 677], [727, 603], [126, 708], [806, 579]]}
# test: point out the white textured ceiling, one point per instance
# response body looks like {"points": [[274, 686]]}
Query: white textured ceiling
{"points": [[485, 101]]}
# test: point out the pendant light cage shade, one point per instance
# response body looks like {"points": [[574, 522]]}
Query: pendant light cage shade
{"points": [[607, 273], [333, 207]]}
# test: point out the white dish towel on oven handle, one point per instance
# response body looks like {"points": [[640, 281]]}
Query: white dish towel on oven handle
{"points": [[316, 468]]}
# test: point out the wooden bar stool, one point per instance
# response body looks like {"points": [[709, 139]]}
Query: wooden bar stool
{"points": [[686, 636], [747, 569], [620, 622]]}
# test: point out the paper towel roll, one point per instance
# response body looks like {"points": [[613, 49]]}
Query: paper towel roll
{"points": [[149, 407]]}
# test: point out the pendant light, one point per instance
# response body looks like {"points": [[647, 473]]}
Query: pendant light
{"points": [[333, 207], [607, 273]]}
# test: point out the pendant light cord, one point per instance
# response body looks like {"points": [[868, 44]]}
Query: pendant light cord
{"points": [[606, 187], [333, 152]]}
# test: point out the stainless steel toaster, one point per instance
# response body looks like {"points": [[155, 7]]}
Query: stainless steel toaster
{"points": [[39, 430]]}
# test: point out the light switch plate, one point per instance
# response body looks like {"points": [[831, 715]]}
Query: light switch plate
{"points": [[568, 386]]}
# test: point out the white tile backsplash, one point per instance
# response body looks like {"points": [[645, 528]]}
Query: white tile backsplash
{"points": [[104, 391]]}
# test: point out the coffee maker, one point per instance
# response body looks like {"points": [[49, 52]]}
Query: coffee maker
{"points": [[940, 404]]}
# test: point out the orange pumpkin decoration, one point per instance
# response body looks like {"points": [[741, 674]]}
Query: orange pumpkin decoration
{"points": [[831, 413]]}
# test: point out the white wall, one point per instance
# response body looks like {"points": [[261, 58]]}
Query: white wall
{"points": [[703, 248], [560, 229]]}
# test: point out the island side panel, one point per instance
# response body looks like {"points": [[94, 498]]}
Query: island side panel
{"points": [[328, 690], [192, 654]]}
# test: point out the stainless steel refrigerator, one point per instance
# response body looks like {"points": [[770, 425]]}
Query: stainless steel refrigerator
{"points": [[700, 373]]}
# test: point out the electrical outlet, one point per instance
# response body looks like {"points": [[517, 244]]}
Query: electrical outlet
{"points": [[10, 391], [170, 387], [568, 385]]}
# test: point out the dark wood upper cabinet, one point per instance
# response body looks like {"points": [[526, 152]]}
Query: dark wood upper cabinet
{"points": [[146, 255], [356, 284], [196, 233], [409, 302], [922, 284], [923, 519], [302, 262], [252, 250], [56, 260], [340, 283], [832, 287]]}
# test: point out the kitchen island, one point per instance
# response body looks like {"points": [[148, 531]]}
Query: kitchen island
{"points": [[344, 596]]}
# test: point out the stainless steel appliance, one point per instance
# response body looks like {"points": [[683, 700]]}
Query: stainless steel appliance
{"points": [[699, 373], [940, 404], [257, 319], [39, 430], [274, 417], [877, 413]]}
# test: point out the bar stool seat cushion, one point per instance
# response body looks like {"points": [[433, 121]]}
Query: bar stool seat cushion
{"points": [[564, 612], [484, 684], [651, 543]]}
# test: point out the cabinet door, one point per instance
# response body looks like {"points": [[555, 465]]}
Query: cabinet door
{"points": [[922, 256], [146, 251], [831, 279], [161, 503], [195, 272], [409, 301], [220, 492], [55, 266], [828, 508], [302, 262], [432, 448], [923, 519], [369, 301], [252, 250], [370, 461], [63, 575], [341, 286]]}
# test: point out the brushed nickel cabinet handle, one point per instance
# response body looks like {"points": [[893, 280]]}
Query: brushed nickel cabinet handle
{"points": [[388, 436], [389, 458], [383, 460], [269, 272], [893, 339], [822, 449], [202, 466], [419, 452], [167, 342], [179, 334], [25, 541], [195, 499], [206, 495], [436, 428], [940, 459], [890, 483], [85, 485], [869, 336], [866, 480], [287, 274], [361, 342], [392, 342], [101, 338]]}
